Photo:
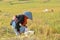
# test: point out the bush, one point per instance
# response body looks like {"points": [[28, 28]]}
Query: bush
{"points": [[22, 0]]}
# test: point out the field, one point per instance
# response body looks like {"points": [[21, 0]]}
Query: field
{"points": [[45, 24]]}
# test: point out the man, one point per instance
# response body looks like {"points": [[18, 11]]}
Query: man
{"points": [[19, 22]]}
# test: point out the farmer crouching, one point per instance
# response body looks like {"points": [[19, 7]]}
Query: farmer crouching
{"points": [[19, 22]]}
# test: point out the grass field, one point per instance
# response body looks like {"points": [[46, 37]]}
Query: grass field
{"points": [[45, 24]]}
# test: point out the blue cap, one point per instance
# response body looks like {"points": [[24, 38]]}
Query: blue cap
{"points": [[28, 14]]}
